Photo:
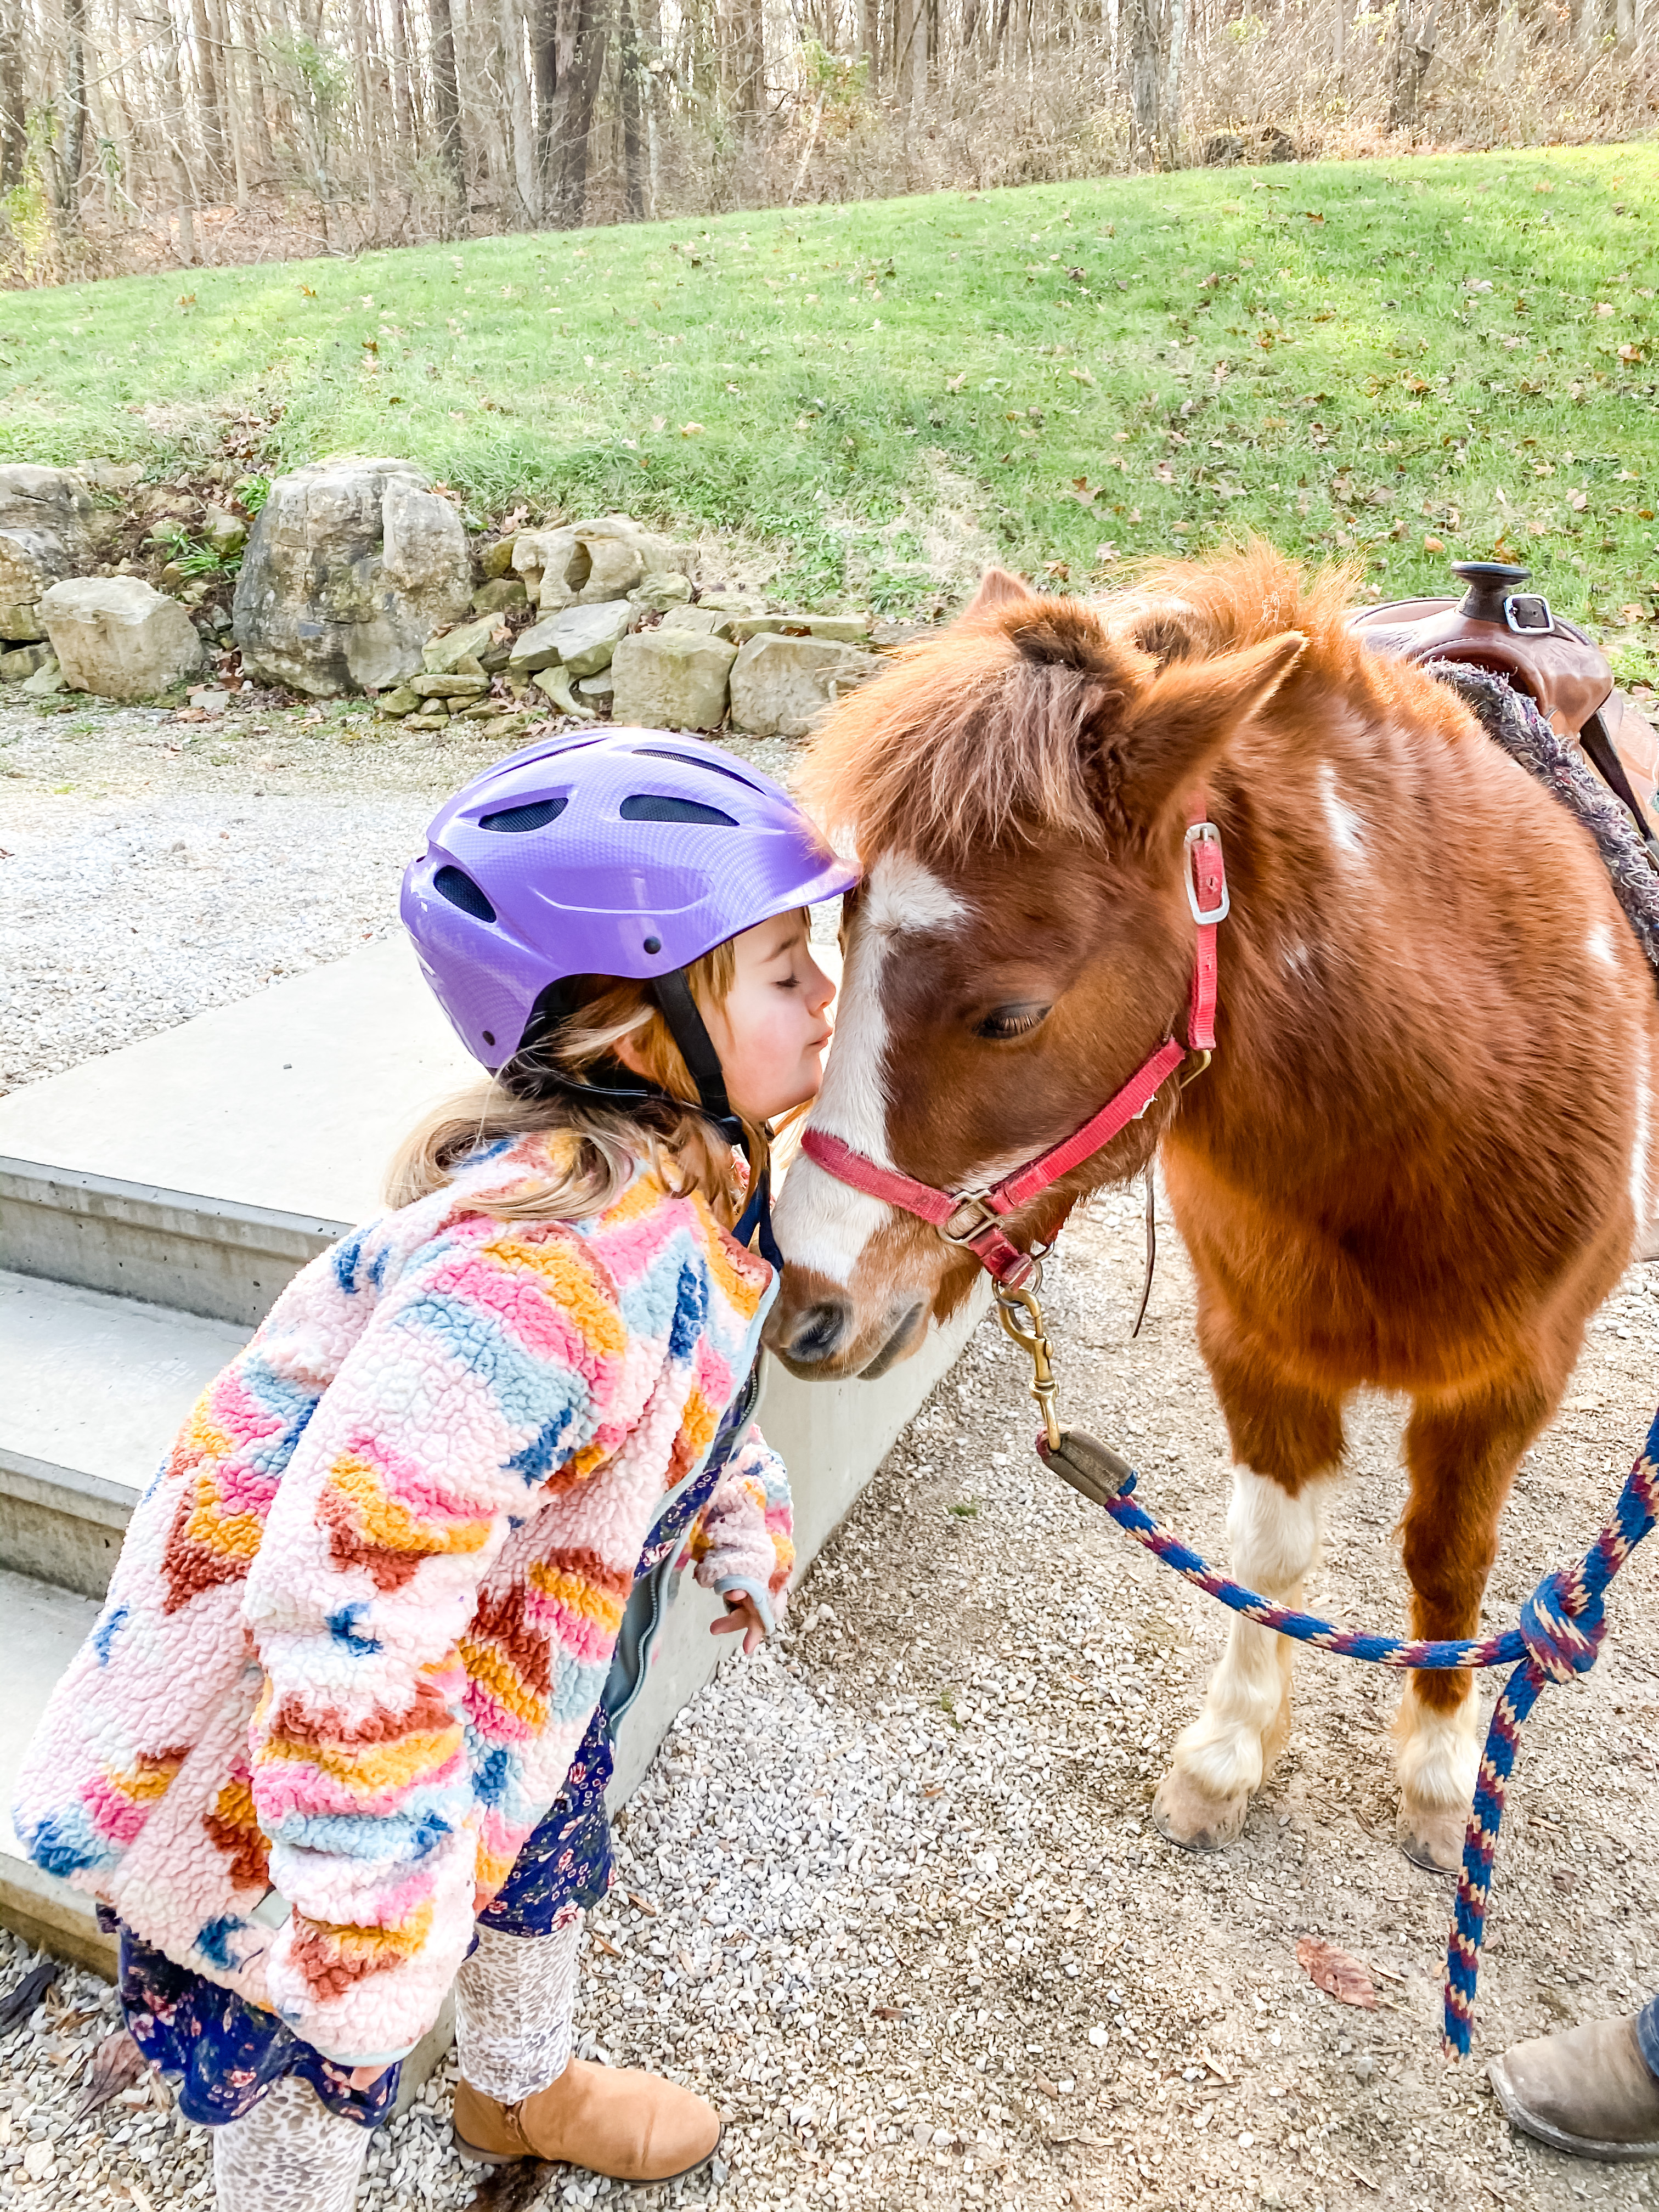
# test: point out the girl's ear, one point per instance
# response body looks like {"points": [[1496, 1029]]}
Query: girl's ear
{"points": [[1176, 727], [997, 589]]}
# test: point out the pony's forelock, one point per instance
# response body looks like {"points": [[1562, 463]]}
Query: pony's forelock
{"points": [[990, 733]]}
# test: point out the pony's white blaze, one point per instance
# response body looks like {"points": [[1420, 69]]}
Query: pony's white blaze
{"points": [[1599, 944], [821, 1222], [1272, 1543]]}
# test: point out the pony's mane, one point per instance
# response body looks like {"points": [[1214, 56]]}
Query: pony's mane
{"points": [[976, 740]]}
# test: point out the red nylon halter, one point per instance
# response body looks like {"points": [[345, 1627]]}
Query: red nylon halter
{"points": [[980, 1212]]}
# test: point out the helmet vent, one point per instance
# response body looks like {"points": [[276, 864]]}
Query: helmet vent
{"points": [[689, 760], [460, 890], [647, 806], [535, 815]]}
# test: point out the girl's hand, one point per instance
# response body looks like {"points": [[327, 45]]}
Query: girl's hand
{"points": [[741, 1613], [364, 2077]]}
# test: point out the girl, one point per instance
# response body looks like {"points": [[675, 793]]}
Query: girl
{"points": [[341, 1736]]}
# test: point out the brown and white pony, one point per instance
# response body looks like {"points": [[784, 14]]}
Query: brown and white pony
{"points": [[1422, 1156]]}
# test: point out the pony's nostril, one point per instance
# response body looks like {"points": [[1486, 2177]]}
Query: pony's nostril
{"points": [[820, 1331]]}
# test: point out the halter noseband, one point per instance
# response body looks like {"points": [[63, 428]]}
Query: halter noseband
{"points": [[973, 1220]]}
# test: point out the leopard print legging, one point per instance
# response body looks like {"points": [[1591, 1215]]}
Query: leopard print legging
{"points": [[514, 2001]]}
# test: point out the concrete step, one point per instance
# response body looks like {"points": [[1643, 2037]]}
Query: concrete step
{"points": [[91, 1389], [201, 1169], [40, 1631]]}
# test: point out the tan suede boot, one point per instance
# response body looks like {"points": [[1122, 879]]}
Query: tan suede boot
{"points": [[1588, 2092], [613, 2120]]}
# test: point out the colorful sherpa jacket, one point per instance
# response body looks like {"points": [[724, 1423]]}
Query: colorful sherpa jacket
{"points": [[363, 1615]]}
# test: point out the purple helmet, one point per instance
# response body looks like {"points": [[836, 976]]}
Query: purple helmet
{"points": [[609, 852]]}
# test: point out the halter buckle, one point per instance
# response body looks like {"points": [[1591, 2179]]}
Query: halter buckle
{"points": [[1204, 833]]}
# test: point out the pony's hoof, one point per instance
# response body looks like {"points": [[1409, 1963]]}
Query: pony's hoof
{"points": [[1184, 1815], [1432, 1836]]}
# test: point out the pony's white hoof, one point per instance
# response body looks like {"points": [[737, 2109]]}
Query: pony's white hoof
{"points": [[1432, 1836], [1185, 1815]]}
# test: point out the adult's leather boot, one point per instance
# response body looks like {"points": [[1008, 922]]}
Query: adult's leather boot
{"points": [[613, 2120], [1588, 2092]]}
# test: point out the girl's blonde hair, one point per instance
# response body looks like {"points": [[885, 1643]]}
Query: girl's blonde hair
{"points": [[540, 1091]]}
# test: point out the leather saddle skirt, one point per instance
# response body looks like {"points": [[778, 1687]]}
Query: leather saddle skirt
{"points": [[1500, 626]]}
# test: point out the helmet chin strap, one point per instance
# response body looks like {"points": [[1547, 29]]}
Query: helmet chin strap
{"points": [[680, 1010]]}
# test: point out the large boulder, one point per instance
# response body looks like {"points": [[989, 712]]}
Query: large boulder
{"points": [[116, 637], [781, 686], [580, 639], [46, 532], [671, 679], [583, 563], [350, 567]]}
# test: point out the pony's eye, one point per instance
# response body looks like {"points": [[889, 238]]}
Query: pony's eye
{"points": [[1012, 1021]]}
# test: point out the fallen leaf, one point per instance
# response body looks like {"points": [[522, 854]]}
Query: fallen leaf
{"points": [[18, 2004], [611, 1950], [1165, 473], [1079, 376], [888, 2012], [1434, 544], [690, 430], [1045, 2087], [956, 383], [652, 1911], [1578, 500], [116, 2065], [1604, 307], [1337, 1973], [1630, 353]]}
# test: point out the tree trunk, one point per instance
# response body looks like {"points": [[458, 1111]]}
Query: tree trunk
{"points": [[12, 132], [577, 93], [1154, 34], [208, 68], [1414, 50], [549, 64], [517, 113], [634, 88], [74, 141], [446, 97]]}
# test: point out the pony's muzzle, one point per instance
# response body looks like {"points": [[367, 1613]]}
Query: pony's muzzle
{"points": [[821, 1340], [815, 1334]]}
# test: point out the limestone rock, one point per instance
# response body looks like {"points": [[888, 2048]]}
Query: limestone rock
{"points": [[598, 687], [46, 532], [444, 655], [586, 563], [117, 638], [496, 560], [23, 660], [225, 532], [671, 679], [701, 621], [351, 565], [734, 603], [394, 704], [667, 588], [111, 475], [496, 597], [425, 721], [46, 679], [781, 686], [448, 687], [581, 639], [840, 629], [212, 701]]}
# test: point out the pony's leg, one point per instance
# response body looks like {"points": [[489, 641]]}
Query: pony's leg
{"points": [[1285, 1440], [1461, 1453]]}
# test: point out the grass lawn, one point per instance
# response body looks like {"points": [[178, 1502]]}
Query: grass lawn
{"points": [[1348, 358]]}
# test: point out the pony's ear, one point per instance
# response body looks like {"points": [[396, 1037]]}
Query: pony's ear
{"points": [[1178, 725], [996, 588]]}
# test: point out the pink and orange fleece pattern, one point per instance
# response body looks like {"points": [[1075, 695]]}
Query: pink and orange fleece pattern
{"points": [[364, 1614]]}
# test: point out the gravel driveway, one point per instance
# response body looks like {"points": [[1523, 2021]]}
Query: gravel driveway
{"points": [[891, 1895]]}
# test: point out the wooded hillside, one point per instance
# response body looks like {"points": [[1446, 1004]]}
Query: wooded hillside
{"points": [[142, 132]]}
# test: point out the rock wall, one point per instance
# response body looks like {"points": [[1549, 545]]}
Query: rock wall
{"points": [[355, 575]]}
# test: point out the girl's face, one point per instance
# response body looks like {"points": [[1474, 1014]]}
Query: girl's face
{"points": [[771, 1032]]}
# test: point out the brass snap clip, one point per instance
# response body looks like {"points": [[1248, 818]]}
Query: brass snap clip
{"points": [[1022, 1321]]}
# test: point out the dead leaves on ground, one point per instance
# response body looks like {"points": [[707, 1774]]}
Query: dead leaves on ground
{"points": [[117, 2063], [1337, 1973]]}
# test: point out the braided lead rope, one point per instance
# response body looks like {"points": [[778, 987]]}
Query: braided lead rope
{"points": [[1560, 1631]]}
